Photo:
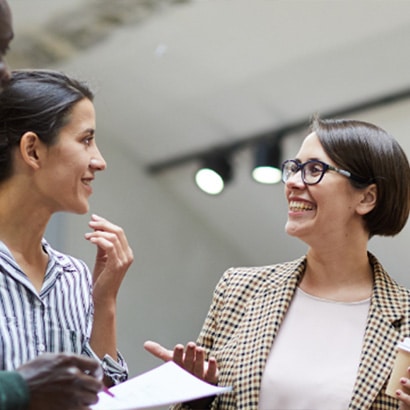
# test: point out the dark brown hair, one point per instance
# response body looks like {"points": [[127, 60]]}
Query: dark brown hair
{"points": [[39, 101], [371, 153]]}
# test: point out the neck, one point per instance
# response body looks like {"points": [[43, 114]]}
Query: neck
{"points": [[22, 222], [342, 276]]}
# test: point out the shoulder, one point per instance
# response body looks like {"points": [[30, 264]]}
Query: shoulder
{"points": [[383, 281], [251, 279], [240, 285], [389, 294]]}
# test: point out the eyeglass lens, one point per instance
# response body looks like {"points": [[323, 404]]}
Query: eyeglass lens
{"points": [[312, 171]]}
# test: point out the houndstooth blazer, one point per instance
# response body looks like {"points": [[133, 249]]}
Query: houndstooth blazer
{"points": [[247, 310]]}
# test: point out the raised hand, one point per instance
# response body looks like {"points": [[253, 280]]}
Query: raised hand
{"points": [[191, 358], [114, 257]]}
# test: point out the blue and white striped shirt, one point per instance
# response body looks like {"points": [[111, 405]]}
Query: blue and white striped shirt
{"points": [[58, 319]]}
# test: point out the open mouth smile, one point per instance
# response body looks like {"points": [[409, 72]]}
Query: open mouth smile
{"points": [[296, 206]]}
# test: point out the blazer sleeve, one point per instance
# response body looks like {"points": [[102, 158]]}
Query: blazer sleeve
{"points": [[14, 393]]}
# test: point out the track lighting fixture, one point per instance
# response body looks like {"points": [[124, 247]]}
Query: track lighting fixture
{"points": [[215, 172], [267, 168]]}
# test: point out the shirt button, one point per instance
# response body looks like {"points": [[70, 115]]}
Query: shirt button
{"points": [[41, 347]]}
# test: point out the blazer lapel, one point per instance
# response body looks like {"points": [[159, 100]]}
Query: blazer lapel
{"points": [[262, 319], [380, 339]]}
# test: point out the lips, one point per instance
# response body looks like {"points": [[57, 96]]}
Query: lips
{"points": [[87, 181]]}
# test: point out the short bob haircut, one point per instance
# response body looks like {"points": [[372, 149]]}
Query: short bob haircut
{"points": [[39, 101], [371, 153]]}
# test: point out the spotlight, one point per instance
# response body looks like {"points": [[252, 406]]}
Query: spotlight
{"points": [[267, 162], [214, 174]]}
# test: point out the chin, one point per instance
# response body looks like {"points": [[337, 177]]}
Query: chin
{"points": [[293, 230], [80, 209], [289, 228]]}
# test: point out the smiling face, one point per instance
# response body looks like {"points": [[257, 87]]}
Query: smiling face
{"points": [[67, 168], [324, 212]]}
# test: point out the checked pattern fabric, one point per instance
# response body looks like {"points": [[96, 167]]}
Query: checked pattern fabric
{"points": [[248, 307]]}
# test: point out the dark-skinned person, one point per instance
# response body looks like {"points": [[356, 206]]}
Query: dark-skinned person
{"points": [[52, 382]]}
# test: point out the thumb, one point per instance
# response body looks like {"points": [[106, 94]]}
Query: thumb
{"points": [[158, 351]]}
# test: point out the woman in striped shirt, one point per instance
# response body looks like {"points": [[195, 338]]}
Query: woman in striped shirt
{"points": [[49, 301]]}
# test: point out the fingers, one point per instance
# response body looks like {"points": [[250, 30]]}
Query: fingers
{"points": [[61, 381], [178, 355], [195, 362], [192, 358], [402, 396], [199, 364], [100, 224], [212, 373], [111, 238], [88, 366], [81, 372], [158, 351], [114, 256], [83, 384]]}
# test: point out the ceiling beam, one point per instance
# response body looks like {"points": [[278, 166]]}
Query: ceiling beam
{"points": [[74, 31], [275, 133]]}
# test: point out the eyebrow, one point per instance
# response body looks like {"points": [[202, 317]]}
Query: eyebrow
{"points": [[89, 131], [299, 161]]}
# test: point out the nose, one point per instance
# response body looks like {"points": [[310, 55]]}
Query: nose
{"points": [[97, 162], [295, 180]]}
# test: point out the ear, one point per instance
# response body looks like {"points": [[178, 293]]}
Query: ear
{"points": [[30, 147], [368, 200]]}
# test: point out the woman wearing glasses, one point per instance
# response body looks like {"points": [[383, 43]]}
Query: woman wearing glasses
{"points": [[317, 333]]}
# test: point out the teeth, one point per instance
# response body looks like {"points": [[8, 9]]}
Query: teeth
{"points": [[300, 206]]}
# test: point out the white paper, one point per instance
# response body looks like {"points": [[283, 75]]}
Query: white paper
{"points": [[165, 385]]}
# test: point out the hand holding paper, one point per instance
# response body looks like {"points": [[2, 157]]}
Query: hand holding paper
{"points": [[164, 385]]}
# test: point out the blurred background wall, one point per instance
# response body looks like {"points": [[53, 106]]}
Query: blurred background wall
{"points": [[176, 77]]}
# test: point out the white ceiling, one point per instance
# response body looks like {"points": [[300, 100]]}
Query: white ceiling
{"points": [[202, 73]]}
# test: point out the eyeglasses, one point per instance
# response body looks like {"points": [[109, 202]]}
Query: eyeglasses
{"points": [[312, 171]]}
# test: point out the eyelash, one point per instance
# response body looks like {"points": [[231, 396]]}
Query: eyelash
{"points": [[87, 141]]}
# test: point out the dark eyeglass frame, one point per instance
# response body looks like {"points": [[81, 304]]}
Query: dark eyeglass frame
{"points": [[325, 167]]}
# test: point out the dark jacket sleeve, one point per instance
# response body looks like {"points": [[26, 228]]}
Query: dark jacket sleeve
{"points": [[14, 394]]}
